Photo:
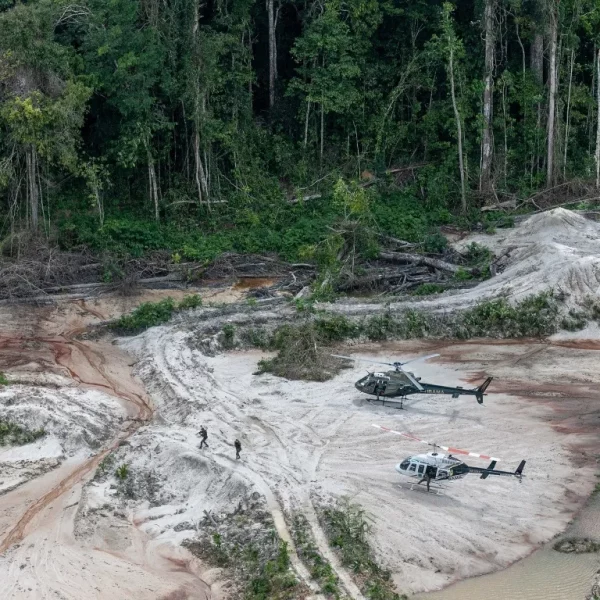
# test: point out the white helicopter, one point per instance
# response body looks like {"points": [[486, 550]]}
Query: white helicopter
{"points": [[441, 467]]}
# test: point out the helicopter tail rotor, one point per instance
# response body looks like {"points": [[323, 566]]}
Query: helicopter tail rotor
{"points": [[480, 391]]}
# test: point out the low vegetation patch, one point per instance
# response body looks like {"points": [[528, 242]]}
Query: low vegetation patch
{"points": [[246, 545], [303, 348], [12, 434], [347, 527], [320, 569], [150, 314]]}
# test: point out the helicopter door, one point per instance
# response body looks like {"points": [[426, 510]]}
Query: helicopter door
{"points": [[412, 469], [421, 469]]}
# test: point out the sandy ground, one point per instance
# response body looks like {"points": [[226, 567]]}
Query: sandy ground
{"points": [[309, 442], [85, 397], [67, 534]]}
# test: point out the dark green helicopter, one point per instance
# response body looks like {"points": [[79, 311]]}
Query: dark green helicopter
{"points": [[400, 383]]}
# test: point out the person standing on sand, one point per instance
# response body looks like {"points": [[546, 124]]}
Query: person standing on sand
{"points": [[238, 448], [203, 435]]}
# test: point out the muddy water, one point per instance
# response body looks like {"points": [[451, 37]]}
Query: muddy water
{"points": [[544, 575]]}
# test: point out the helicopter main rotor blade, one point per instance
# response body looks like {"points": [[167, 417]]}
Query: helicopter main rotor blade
{"points": [[412, 379], [446, 448], [375, 362], [427, 357]]}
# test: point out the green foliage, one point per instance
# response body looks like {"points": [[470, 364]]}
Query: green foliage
{"points": [[348, 527], [106, 464], [12, 434], [150, 314], [191, 301], [534, 316], [435, 243], [275, 581], [478, 255], [302, 348], [320, 568], [122, 472], [228, 337], [3, 380], [427, 289]]}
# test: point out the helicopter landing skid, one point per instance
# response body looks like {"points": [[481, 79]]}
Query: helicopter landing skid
{"points": [[391, 403], [433, 489]]}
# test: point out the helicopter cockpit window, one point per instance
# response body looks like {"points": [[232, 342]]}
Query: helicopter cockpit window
{"points": [[412, 467], [404, 465], [421, 469]]}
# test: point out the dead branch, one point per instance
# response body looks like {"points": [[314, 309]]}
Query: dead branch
{"points": [[420, 259]]}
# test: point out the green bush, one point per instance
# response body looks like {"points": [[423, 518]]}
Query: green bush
{"points": [[534, 316], [122, 472], [148, 314], [380, 327], [427, 289], [3, 380], [335, 329], [192, 301], [348, 527], [12, 434]]}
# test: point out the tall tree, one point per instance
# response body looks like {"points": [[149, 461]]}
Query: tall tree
{"points": [[453, 47], [485, 180], [552, 88]]}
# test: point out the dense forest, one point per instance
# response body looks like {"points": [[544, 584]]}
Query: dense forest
{"points": [[227, 124]]}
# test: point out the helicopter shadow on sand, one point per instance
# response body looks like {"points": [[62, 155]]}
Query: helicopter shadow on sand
{"points": [[361, 402]]}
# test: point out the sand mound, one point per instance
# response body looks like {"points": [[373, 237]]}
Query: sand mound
{"points": [[557, 250], [74, 420]]}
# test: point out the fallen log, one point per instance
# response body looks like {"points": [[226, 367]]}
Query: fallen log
{"points": [[420, 259]]}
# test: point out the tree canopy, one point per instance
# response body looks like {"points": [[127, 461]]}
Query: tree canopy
{"points": [[229, 113]]}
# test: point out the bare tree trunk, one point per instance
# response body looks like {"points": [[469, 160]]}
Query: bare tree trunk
{"points": [[322, 131], [33, 192], [153, 186], [568, 121], [553, 22], [200, 172], [598, 121], [485, 179], [461, 165], [537, 57], [505, 133], [306, 118], [272, 51]]}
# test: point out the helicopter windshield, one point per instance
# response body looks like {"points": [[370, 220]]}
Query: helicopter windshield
{"points": [[404, 464], [366, 381]]}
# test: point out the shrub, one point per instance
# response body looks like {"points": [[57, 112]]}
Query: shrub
{"points": [[427, 289], [150, 314], [3, 380], [15, 435], [145, 315], [335, 329], [192, 301], [122, 472], [228, 337], [348, 526]]}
